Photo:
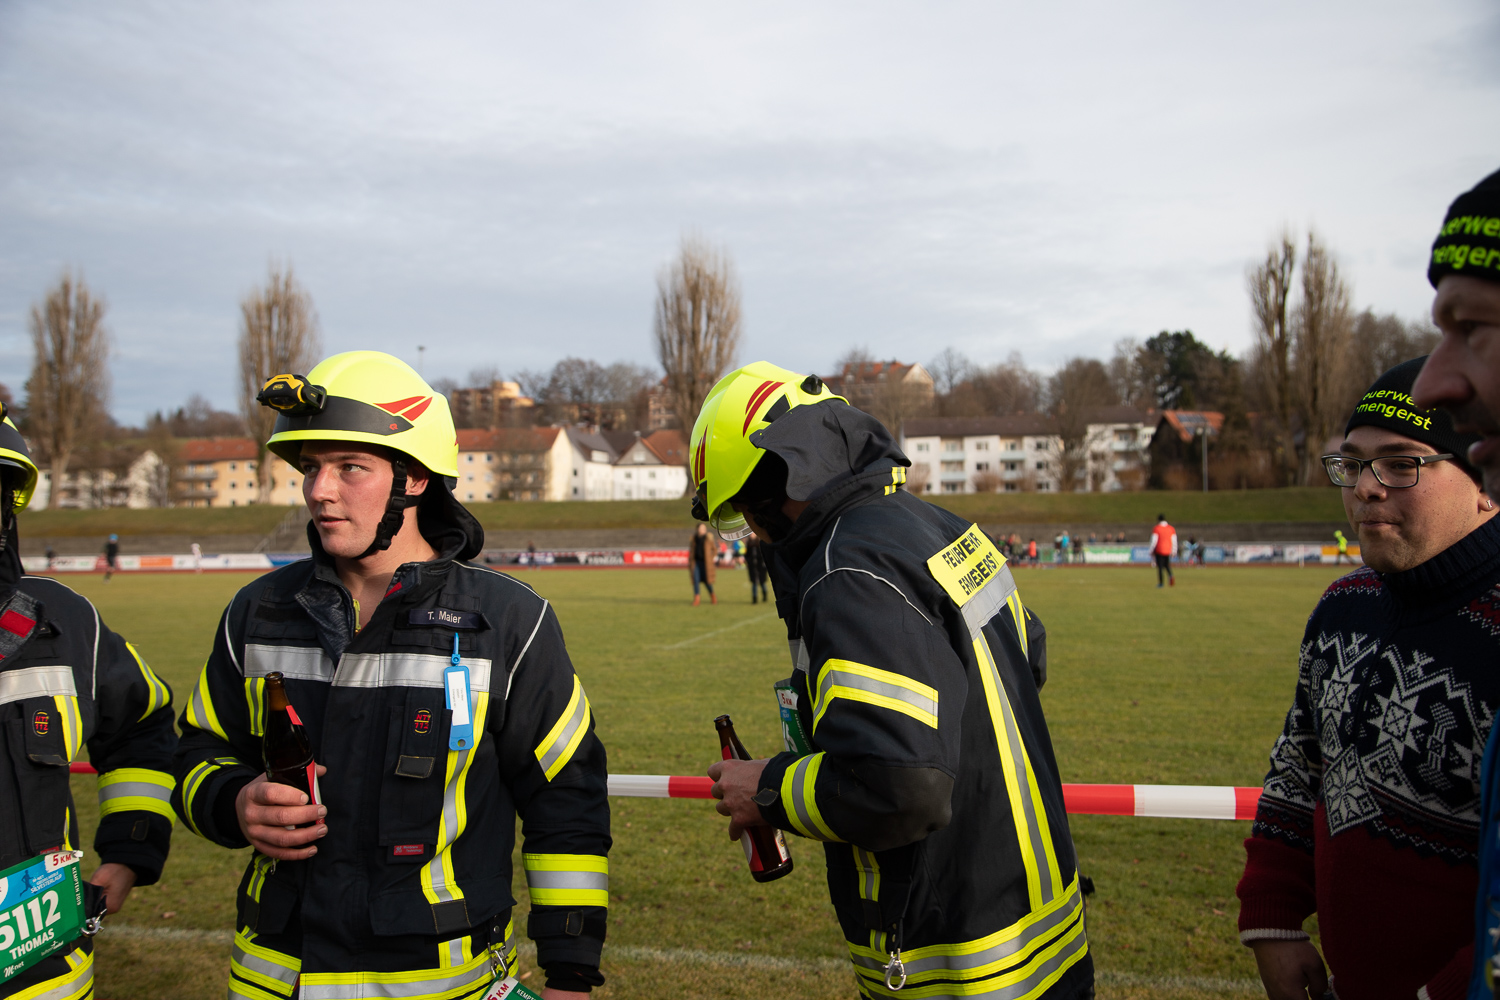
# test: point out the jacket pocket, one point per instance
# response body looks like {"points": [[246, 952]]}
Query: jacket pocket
{"points": [[411, 786], [40, 765]]}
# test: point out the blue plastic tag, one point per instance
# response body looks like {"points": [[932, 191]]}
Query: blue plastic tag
{"points": [[460, 703]]}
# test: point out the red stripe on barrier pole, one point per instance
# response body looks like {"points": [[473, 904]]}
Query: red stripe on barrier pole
{"points": [[81, 767], [681, 787], [1100, 800], [1245, 802]]}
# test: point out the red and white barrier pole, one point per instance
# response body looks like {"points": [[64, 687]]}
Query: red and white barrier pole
{"points": [[1164, 801]]}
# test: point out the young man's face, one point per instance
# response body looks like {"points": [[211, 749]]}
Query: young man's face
{"points": [[1463, 373], [346, 488], [1402, 528]]}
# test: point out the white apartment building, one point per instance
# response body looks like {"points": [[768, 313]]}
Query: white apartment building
{"points": [[982, 454], [1023, 453]]}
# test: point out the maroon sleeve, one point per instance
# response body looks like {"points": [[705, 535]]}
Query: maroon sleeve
{"points": [[1277, 890], [1452, 981]]}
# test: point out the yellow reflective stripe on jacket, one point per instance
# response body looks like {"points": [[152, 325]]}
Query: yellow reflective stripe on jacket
{"points": [[1016, 963], [200, 709], [869, 875], [71, 721], [259, 869], [567, 879], [255, 704], [158, 694], [470, 979], [439, 884], [252, 963], [898, 476], [75, 984], [1019, 614], [194, 781], [1043, 880], [873, 686], [799, 796], [136, 788], [557, 748]]}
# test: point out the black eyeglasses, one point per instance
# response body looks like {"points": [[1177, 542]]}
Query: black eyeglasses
{"points": [[1396, 472]]}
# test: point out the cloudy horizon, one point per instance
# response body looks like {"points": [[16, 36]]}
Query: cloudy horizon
{"points": [[503, 185]]}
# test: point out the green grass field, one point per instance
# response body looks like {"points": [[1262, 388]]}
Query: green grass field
{"points": [[1184, 685], [1295, 504]]}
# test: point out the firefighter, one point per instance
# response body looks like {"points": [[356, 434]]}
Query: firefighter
{"points": [[67, 681], [928, 772], [440, 703]]}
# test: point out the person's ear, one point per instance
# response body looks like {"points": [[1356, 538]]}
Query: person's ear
{"points": [[417, 478]]}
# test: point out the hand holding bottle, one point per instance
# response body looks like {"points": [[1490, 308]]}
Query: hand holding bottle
{"points": [[735, 782], [278, 820]]}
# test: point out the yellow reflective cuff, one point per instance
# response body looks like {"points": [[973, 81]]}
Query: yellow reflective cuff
{"points": [[75, 984], [194, 781], [200, 709], [255, 704], [898, 476], [126, 789], [567, 879], [873, 686], [158, 694], [558, 746], [799, 797]]}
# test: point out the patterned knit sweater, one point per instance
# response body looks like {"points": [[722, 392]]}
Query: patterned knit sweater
{"points": [[1370, 813]]}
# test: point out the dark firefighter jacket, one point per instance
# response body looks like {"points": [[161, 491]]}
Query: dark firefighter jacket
{"points": [[932, 782], [66, 682], [420, 836]]}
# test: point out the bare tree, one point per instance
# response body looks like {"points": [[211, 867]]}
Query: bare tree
{"points": [[697, 323], [1080, 387], [1380, 343], [278, 334], [1270, 286], [1322, 324], [1005, 388], [69, 385]]}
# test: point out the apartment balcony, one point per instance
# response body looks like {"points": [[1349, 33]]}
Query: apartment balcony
{"points": [[197, 476], [198, 493]]}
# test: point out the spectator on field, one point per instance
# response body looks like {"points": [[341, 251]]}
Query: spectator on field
{"points": [[1031, 551], [51, 555], [1463, 377], [755, 563], [111, 554], [1370, 811], [1343, 544], [1078, 548], [702, 550], [1163, 548]]}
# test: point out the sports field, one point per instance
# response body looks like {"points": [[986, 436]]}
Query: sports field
{"points": [[1183, 685]]}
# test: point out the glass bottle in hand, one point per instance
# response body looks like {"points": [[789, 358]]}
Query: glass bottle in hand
{"points": [[765, 847], [285, 747]]}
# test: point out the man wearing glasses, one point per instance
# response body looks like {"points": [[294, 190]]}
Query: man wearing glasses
{"points": [[1370, 813]]}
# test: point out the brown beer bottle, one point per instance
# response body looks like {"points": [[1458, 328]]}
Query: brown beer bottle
{"points": [[285, 748], [765, 847]]}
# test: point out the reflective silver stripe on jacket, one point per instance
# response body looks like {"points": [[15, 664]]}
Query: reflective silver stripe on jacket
{"points": [[422, 670], [36, 682], [562, 743], [832, 677], [271, 970], [296, 663], [73, 984], [437, 986], [144, 789], [799, 654], [986, 602], [1066, 956], [1044, 928], [567, 880]]}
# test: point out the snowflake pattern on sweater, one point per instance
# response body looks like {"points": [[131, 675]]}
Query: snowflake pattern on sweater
{"points": [[1385, 730]]}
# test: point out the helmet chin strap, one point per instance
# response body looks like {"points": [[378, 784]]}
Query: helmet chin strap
{"points": [[395, 511]]}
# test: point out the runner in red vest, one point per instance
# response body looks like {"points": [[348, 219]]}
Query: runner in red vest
{"points": [[1163, 547]]}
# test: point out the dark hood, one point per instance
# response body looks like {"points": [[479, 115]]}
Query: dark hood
{"points": [[10, 557], [837, 457], [443, 521]]}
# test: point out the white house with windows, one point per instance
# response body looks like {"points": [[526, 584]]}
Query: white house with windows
{"points": [[650, 467], [982, 454], [1023, 453]]}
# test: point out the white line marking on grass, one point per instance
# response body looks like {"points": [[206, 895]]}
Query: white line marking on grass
{"points": [[1203, 984], [166, 934], [717, 631], [726, 959]]}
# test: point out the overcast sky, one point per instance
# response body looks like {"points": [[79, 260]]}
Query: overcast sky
{"points": [[502, 183]]}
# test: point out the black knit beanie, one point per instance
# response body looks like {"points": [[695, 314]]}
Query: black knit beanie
{"points": [[1469, 242], [1387, 403]]}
